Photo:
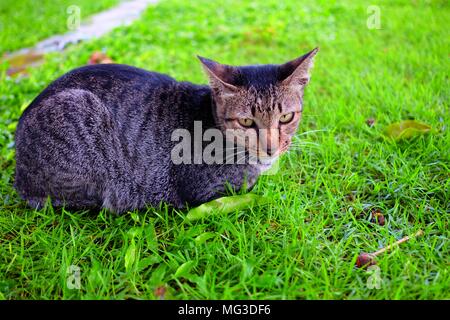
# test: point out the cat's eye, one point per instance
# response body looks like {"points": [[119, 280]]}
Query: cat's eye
{"points": [[285, 118], [246, 122]]}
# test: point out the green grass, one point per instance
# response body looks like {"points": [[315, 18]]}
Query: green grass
{"points": [[24, 22], [304, 244]]}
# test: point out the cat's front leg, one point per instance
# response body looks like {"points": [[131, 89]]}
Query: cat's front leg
{"points": [[203, 183]]}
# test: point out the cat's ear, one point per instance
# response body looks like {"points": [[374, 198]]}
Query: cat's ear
{"points": [[297, 72], [221, 76]]}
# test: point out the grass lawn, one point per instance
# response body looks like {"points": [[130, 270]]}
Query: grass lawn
{"points": [[25, 22], [304, 244]]}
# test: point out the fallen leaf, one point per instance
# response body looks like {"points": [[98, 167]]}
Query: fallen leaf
{"points": [[273, 226], [225, 205], [370, 122], [184, 269], [406, 129], [149, 261], [365, 260], [130, 256], [16, 71], [350, 197], [377, 217], [19, 62], [160, 292], [99, 57], [204, 237]]}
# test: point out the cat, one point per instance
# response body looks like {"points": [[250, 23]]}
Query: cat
{"points": [[101, 136]]}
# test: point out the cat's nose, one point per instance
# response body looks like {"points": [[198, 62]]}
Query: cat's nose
{"points": [[269, 140]]}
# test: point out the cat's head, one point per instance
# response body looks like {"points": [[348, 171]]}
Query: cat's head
{"points": [[261, 103]]}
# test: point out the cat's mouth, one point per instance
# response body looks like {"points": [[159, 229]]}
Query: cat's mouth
{"points": [[267, 161], [264, 159]]}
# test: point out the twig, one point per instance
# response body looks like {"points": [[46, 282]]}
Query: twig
{"points": [[367, 259]]}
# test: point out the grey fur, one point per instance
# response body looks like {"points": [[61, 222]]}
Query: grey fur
{"points": [[100, 136]]}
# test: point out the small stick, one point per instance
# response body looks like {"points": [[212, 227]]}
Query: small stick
{"points": [[365, 259], [389, 247]]}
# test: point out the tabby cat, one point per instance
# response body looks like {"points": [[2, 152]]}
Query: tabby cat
{"points": [[102, 135]]}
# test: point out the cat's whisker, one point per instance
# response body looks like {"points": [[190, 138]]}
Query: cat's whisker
{"points": [[303, 148], [224, 152], [312, 131], [310, 115], [305, 144], [228, 157], [234, 154]]}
